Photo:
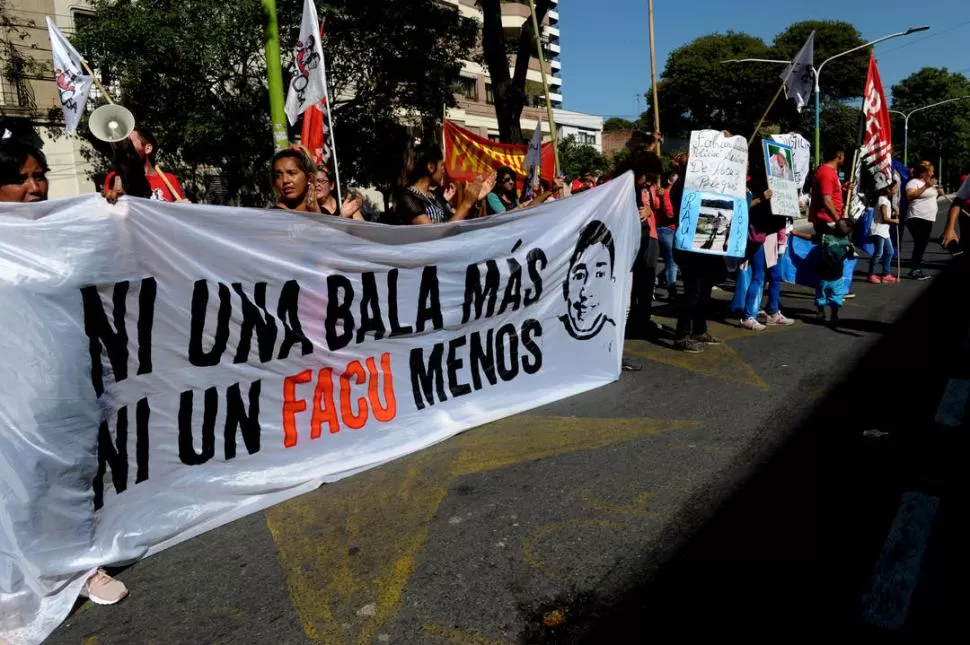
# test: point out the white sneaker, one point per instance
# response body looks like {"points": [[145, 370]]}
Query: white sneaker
{"points": [[752, 324], [102, 589], [778, 318]]}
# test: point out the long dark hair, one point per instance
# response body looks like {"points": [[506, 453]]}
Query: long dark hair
{"points": [[417, 160], [13, 156], [504, 171], [131, 169]]}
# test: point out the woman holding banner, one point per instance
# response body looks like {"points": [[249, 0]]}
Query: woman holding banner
{"points": [[293, 176], [23, 178]]}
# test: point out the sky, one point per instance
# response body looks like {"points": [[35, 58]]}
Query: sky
{"points": [[606, 48]]}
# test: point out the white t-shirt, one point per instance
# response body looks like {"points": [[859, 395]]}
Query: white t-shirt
{"points": [[924, 206], [879, 226]]}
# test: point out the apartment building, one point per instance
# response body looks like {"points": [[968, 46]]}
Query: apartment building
{"points": [[475, 110], [27, 88]]}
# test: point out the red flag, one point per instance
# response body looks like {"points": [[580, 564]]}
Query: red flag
{"points": [[314, 135], [468, 156], [877, 143]]}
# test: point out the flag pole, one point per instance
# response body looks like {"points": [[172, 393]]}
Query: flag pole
{"points": [[653, 74], [765, 115], [333, 149], [545, 85], [274, 75]]}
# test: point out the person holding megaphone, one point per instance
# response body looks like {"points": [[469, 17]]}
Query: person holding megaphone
{"points": [[136, 156]]}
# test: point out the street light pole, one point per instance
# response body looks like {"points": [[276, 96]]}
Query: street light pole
{"points": [[817, 72], [906, 116]]}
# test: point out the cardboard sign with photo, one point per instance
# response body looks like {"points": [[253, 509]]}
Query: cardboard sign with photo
{"points": [[781, 178]]}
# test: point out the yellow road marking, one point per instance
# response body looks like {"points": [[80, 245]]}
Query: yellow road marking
{"points": [[349, 548], [532, 545], [459, 636]]}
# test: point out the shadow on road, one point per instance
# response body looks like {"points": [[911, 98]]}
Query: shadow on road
{"points": [[784, 545]]}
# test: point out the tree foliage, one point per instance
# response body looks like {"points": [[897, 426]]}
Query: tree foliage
{"points": [[942, 131], [698, 91], [576, 158], [195, 73], [615, 123]]}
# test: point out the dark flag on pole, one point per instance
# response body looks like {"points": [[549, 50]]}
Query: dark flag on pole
{"points": [[799, 75]]}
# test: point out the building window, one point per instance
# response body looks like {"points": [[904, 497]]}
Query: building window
{"points": [[489, 96], [587, 139], [468, 88]]}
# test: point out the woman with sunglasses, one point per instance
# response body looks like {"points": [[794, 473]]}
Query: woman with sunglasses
{"points": [[504, 197], [324, 187]]}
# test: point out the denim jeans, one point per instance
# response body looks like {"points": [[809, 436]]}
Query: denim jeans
{"points": [[750, 286], [775, 278], [666, 238], [882, 252]]}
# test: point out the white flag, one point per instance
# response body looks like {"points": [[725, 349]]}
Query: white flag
{"points": [[533, 161], [799, 75], [73, 84], [308, 86]]}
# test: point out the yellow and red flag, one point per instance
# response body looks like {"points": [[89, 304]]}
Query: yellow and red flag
{"points": [[469, 156]]}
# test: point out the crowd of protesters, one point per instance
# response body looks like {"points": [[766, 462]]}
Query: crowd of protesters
{"points": [[425, 196]]}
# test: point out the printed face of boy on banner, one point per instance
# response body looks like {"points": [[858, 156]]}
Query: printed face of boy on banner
{"points": [[589, 283]]}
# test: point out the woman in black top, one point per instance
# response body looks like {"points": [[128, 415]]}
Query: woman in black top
{"points": [[420, 201]]}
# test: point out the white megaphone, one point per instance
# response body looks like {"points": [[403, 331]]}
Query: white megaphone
{"points": [[111, 123]]}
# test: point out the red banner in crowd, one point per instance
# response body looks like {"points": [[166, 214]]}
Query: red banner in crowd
{"points": [[877, 144], [469, 156]]}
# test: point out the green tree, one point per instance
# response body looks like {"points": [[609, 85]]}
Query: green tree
{"points": [[942, 131], [615, 123], [842, 79], [699, 91], [195, 73], [577, 159]]}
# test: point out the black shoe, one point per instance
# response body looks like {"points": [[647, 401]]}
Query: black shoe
{"points": [[834, 319], [820, 315], [629, 365], [917, 274], [705, 339], [687, 345]]}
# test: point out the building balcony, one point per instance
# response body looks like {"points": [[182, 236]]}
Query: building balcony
{"points": [[556, 65], [550, 31], [553, 16], [554, 48]]}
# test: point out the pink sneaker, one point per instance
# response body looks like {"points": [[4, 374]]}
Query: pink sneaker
{"points": [[874, 279], [102, 589], [778, 318], [889, 279]]}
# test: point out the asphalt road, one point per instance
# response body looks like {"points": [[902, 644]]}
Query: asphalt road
{"points": [[727, 493]]}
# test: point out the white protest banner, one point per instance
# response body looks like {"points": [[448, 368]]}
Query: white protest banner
{"points": [[801, 153], [714, 207], [169, 368], [717, 164], [781, 178]]}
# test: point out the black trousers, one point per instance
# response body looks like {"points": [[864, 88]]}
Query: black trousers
{"points": [[921, 230], [644, 280], [700, 273]]}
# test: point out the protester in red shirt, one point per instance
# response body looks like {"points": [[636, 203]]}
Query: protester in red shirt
{"points": [[828, 192], [144, 144]]}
